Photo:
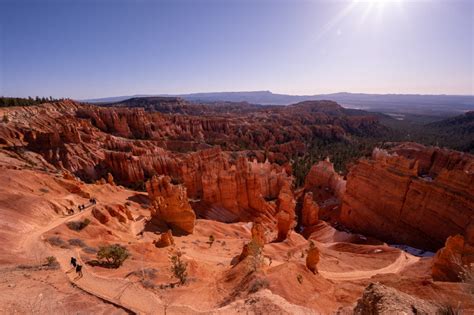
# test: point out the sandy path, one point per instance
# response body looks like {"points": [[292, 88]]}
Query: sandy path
{"points": [[129, 295], [402, 261]]}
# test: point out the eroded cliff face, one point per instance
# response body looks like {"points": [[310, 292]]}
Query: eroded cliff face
{"points": [[412, 195], [239, 191], [170, 205]]}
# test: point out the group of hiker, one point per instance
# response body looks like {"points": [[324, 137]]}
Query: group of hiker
{"points": [[77, 267], [92, 201]]}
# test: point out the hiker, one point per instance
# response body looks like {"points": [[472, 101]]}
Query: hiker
{"points": [[79, 271], [73, 261]]}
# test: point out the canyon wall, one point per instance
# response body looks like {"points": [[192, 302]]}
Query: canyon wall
{"points": [[412, 195]]}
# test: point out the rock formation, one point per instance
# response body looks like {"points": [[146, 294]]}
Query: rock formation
{"points": [[170, 204], [410, 200], [119, 212], [323, 176], [309, 211], [166, 239], [100, 215], [110, 179], [379, 299], [312, 259], [258, 234], [286, 212], [455, 259]]}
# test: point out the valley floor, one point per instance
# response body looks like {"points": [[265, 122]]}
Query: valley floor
{"points": [[33, 226]]}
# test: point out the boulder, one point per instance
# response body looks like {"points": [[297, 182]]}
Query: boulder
{"points": [[166, 239], [379, 299], [312, 259]]}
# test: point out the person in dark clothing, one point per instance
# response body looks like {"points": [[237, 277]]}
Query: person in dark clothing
{"points": [[73, 261], [79, 271]]}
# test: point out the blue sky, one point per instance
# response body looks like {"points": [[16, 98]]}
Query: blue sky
{"points": [[86, 49]]}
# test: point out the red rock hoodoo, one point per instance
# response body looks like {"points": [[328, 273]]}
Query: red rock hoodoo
{"points": [[170, 204]]}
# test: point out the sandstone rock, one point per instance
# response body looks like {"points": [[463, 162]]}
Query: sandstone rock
{"points": [[456, 257], [310, 211], [170, 204], [99, 215], [73, 187], [118, 212], [286, 212], [244, 191], [67, 175], [110, 179], [378, 299], [166, 239], [323, 176], [312, 259], [258, 234], [391, 198]]}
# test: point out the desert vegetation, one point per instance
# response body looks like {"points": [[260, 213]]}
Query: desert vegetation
{"points": [[178, 266], [111, 256], [18, 101], [78, 225]]}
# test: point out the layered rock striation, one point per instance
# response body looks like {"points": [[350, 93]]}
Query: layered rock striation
{"points": [[412, 195]]}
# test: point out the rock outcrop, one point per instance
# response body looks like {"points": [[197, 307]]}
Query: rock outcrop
{"points": [[322, 176], [170, 204], [379, 299], [417, 200], [455, 261], [100, 215], [166, 239], [309, 211], [286, 212], [258, 234], [312, 259]]}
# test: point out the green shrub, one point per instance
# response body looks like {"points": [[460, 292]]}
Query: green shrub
{"points": [[52, 262], [178, 266], [114, 255]]}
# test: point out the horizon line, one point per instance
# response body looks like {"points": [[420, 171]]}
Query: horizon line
{"points": [[266, 91]]}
